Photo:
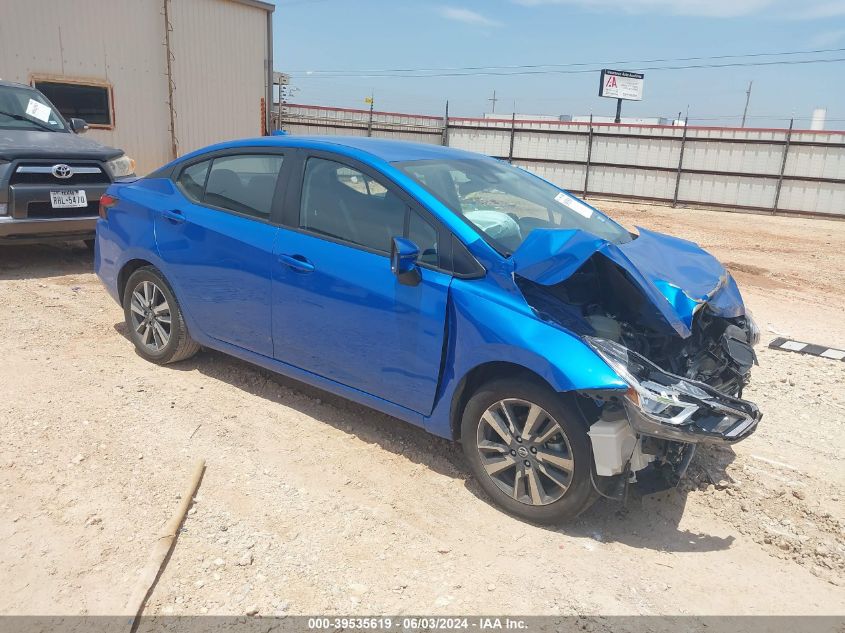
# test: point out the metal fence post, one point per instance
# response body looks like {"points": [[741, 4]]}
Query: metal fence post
{"points": [[513, 133], [680, 164], [445, 137], [783, 166], [589, 158], [370, 119]]}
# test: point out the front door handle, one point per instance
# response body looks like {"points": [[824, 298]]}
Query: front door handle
{"points": [[174, 215], [297, 262]]}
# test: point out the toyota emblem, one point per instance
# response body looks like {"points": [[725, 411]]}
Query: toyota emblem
{"points": [[62, 171]]}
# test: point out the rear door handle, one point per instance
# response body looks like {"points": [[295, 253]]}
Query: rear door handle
{"points": [[297, 262], [174, 215]]}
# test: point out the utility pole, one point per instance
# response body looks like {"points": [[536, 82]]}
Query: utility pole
{"points": [[747, 100], [493, 100], [282, 81]]}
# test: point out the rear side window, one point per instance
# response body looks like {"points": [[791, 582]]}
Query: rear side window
{"points": [[193, 178], [243, 184]]}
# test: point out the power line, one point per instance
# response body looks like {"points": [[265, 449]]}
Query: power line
{"points": [[572, 72], [569, 65]]}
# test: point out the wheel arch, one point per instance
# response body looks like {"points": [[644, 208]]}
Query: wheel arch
{"points": [[480, 375], [126, 272]]}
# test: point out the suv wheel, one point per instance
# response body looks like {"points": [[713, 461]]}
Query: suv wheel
{"points": [[154, 318], [529, 450]]}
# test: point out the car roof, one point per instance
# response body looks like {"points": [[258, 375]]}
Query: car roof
{"points": [[14, 84], [388, 150]]}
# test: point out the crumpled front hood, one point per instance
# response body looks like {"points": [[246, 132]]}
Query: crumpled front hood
{"points": [[44, 144], [677, 276]]}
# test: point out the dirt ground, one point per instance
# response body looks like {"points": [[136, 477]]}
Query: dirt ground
{"points": [[313, 505]]}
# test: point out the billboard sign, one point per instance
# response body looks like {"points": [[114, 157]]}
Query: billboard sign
{"points": [[621, 84]]}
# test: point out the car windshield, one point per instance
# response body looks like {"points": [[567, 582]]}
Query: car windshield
{"points": [[505, 202], [25, 109]]}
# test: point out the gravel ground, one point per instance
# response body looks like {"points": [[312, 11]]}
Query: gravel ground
{"points": [[314, 505]]}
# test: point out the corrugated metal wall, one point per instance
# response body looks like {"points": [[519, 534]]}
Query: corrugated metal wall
{"points": [[724, 167], [120, 41], [219, 65], [347, 122], [219, 71]]}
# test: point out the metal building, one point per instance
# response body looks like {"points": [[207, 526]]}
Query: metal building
{"points": [[157, 78]]}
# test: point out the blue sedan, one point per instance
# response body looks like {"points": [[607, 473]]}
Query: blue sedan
{"points": [[450, 290]]}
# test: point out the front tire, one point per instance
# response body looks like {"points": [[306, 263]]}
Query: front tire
{"points": [[528, 449], [154, 318]]}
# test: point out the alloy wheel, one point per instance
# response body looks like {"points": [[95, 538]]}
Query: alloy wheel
{"points": [[150, 316], [525, 452]]}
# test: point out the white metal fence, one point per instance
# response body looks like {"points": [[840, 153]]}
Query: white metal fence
{"points": [[775, 170]]}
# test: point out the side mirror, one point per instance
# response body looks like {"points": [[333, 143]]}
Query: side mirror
{"points": [[403, 261], [79, 126]]}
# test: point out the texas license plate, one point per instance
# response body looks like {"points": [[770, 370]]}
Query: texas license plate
{"points": [[68, 199]]}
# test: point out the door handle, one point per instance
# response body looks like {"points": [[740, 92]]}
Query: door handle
{"points": [[297, 262], [174, 215]]}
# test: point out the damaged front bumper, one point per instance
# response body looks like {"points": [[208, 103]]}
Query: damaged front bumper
{"points": [[663, 405]]}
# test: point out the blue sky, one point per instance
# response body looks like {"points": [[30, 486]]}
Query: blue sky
{"points": [[356, 35]]}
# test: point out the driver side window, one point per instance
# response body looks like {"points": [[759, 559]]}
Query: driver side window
{"points": [[341, 202], [424, 235]]}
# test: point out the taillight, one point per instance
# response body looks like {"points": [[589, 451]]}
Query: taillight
{"points": [[106, 203]]}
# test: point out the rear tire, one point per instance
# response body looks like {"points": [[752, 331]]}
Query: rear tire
{"points": [[154, 318], [528, 448], [89, 244]]}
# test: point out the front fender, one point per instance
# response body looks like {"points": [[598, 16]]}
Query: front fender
{"points": [[488, 325]]}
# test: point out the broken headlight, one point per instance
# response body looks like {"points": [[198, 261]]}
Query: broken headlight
{"points": [[665, 405], [753, 330]]}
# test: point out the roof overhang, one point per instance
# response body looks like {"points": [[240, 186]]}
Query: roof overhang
{"points": [[266, 6]]}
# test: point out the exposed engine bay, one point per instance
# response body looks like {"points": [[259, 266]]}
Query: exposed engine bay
{"points": [[684, 390], [601, 300]]}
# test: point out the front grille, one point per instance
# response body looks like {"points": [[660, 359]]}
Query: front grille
{"points": [[47, 178], [46, 210]]}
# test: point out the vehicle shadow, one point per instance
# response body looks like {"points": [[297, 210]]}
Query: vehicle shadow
{"points": [[652, 520], [37, 261], [645, 521]]}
